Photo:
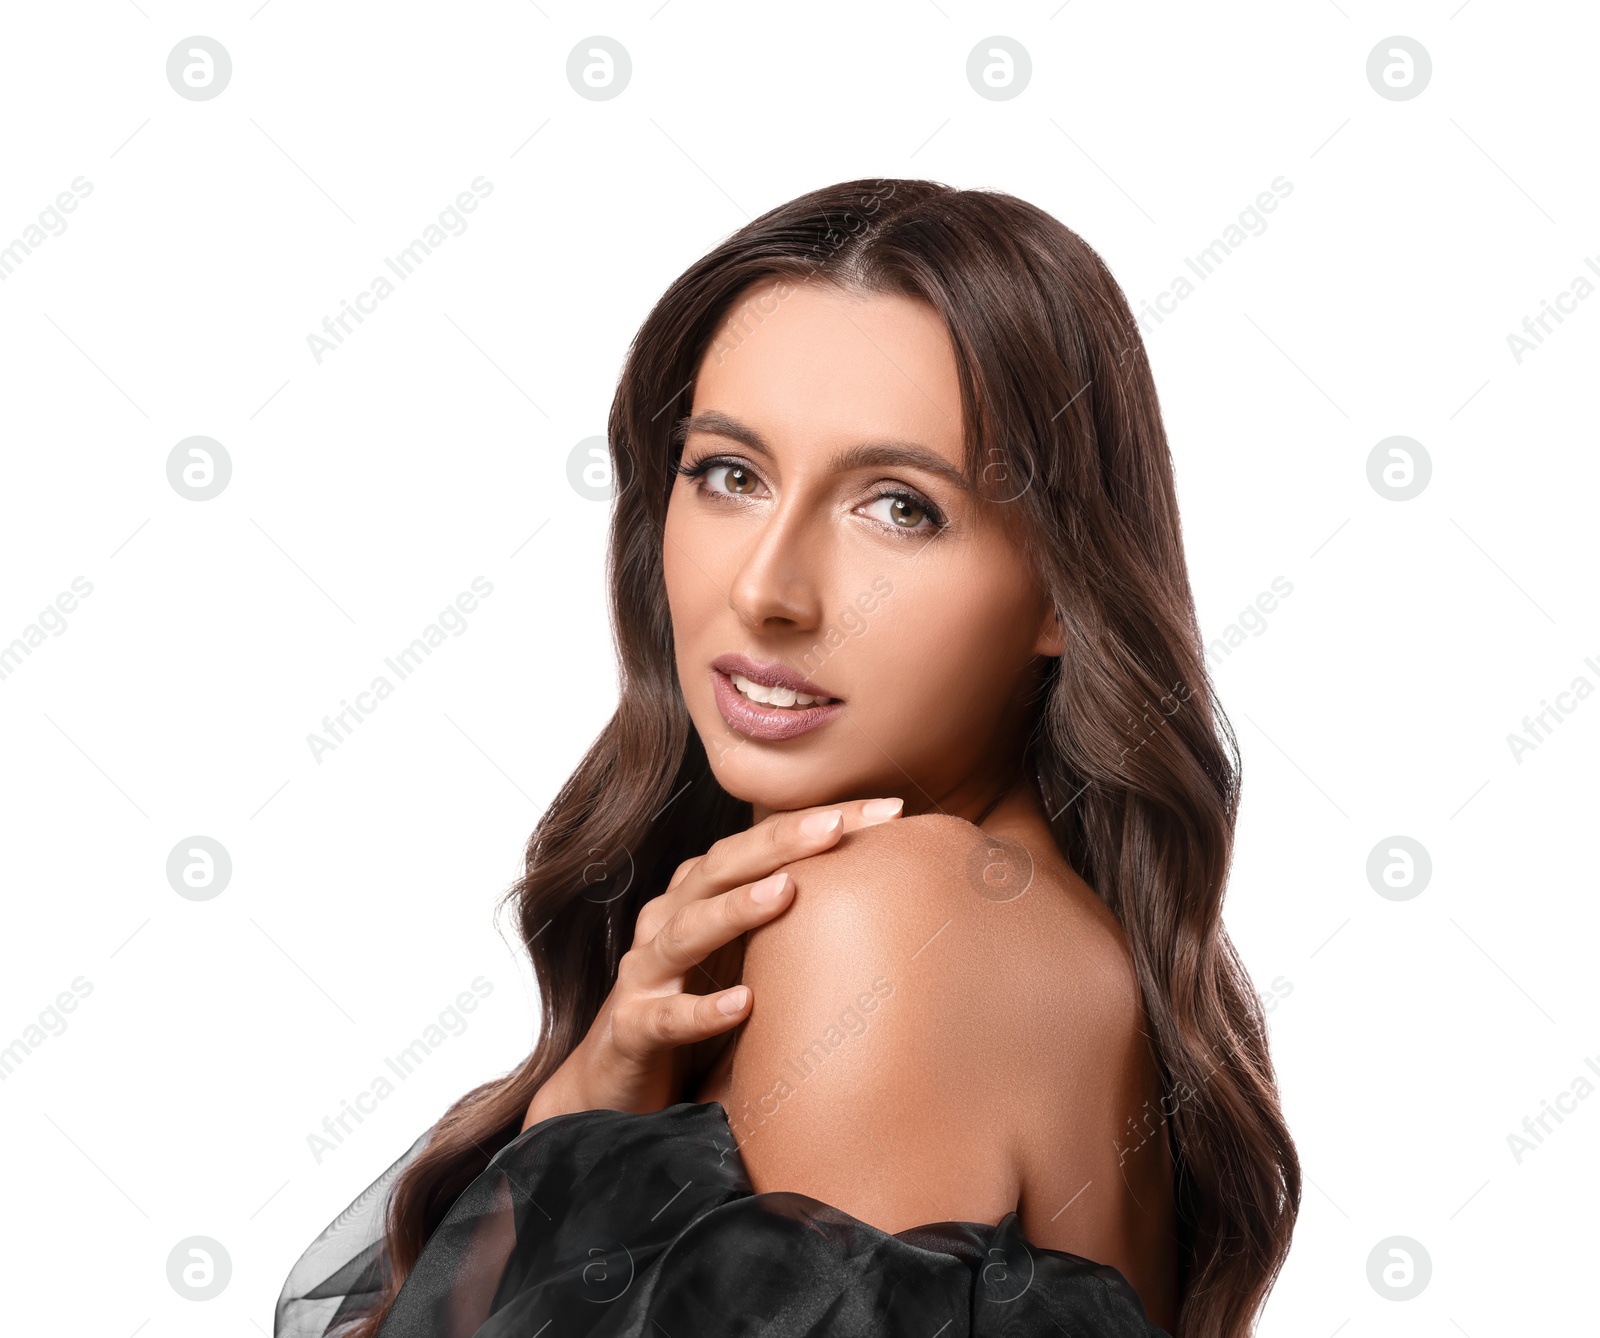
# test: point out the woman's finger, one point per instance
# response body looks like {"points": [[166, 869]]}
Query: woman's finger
{"points": [[698, 928], [749, 855], [666, 1022], [779, 839]]}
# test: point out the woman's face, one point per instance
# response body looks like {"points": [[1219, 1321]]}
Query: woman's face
{"points": [[825, 543]]}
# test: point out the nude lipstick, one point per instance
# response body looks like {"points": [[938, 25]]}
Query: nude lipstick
{"points": [[782, 716]]}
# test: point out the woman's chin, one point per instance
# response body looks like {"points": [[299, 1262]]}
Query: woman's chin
{"points": [[780, 787], [768, 799]]}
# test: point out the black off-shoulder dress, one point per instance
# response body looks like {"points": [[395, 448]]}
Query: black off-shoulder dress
{"points": [[625, 1225]]}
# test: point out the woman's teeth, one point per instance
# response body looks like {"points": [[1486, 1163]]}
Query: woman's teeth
{"points": [[774, 696]]}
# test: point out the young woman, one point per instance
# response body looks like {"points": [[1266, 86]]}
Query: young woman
{"points": [[884, 983]]}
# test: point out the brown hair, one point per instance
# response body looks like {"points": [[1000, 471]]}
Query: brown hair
{"points": [[1063, 423]]}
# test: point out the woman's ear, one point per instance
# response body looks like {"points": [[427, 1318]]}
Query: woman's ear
{"points": [[1052, 634]]}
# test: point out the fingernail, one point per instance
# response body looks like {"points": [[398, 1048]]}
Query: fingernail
{"points": [[733, 1000], [820, 824], [881, 810], [769, 887]]}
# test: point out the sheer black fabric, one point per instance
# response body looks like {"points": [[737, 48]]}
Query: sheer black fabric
{"points": [[625, 1225], [341, 1273]]}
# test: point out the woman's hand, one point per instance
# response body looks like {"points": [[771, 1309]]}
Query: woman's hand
{"points": [[635, 1055]]}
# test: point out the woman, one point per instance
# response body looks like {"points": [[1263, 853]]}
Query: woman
{"points": [[878, 936]]}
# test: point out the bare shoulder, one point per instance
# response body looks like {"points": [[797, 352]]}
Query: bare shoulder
{"points": [[997, 926], [924, 1011]]}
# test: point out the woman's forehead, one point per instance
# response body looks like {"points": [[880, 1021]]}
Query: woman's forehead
{"points": [[812, 367]]}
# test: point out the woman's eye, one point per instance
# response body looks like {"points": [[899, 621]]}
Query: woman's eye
{"points": [[904, 513], [734, 479]]}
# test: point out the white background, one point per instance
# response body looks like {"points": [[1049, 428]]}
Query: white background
{"points": [[431, 448]]}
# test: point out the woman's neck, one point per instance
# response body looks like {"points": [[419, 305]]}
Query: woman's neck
{"points": [[1012, 808]]}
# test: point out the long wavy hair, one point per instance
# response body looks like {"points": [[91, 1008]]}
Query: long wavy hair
{"points": [[1062, 424]]}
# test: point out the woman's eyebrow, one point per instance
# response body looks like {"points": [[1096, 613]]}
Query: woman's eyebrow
{"points": [[876, 455]]}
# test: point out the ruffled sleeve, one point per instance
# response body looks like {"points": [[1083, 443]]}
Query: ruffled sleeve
{"points": [[339, 1276], [622, 1225]]}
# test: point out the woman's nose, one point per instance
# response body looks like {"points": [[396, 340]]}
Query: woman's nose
{"points": [[778, 575]]}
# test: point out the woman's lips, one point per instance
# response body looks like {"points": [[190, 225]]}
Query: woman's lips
{"points": [[768, 723]]}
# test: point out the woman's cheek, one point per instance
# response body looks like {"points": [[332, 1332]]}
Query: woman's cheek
{"points": [[908, 656], [945, 649], [684, 575]]}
